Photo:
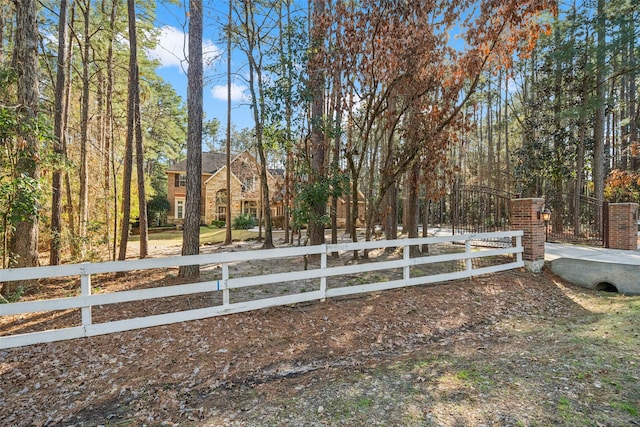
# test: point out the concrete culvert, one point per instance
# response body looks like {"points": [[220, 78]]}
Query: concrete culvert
{"points": [[606, 287]]}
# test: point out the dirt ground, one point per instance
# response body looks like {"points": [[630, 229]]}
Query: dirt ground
{"points": [[509, 349]]}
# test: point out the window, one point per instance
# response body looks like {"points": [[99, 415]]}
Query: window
{"points": [[179, 208], [249, 183], [181, 180], [221, 200], [251, 208], [221, 197], [222, 213]]}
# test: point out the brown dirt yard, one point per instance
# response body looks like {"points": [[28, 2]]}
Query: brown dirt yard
{"points": [[508, 349]]}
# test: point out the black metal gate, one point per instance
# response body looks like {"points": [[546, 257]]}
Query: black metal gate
{"points": [[586, 223], [478, 209]]}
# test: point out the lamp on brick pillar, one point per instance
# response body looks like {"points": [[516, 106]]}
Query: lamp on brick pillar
{"points": [[546, 217]]}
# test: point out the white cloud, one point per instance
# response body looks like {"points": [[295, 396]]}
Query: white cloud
{"points": [[237, 92], [172, 49]]}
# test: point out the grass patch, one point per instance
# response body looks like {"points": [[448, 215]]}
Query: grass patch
{"points": [[627, 407], [209, 234]]}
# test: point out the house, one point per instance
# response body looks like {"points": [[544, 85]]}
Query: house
{"points": [[245, 188]]}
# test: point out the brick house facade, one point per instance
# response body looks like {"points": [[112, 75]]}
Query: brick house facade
{"points": [[245, 188]]}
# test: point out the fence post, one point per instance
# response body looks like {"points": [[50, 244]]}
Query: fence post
{"points": [[526, 216], [406, 257], [323, 267], [225, 284], [85, 290], [467, 251]]}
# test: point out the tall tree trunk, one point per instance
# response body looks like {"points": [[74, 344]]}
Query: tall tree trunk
{"points": [[391, 191], [558, 199], [288, 180], [68, 207], [582, 136], [316, 82], [633, 73], [598, 127], [498, 119], [256, 87], [227, 236], [507, 154], [335, 161], [191, 233], [109, 148], [142, 198], [58, 129], [83, 206], [23, 245], [2, 24], [134, 120], [131, 123], [490, 148]]}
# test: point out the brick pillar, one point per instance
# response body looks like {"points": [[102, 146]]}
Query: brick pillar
{"points": [[623, 226], [525, 216]]}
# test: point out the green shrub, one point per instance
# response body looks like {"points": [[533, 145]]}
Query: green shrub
{"points": [[217, 223], [243, 222]]}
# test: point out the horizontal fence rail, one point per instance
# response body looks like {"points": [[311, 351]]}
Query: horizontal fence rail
{"points": [[86, 300]]}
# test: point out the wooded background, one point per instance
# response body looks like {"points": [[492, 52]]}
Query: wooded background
{"points": [[399, 99]]}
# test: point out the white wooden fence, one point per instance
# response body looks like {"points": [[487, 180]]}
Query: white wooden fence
{"points": [[86, 300]]}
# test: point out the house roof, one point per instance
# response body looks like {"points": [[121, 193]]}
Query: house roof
{"points": [[211, 162]]}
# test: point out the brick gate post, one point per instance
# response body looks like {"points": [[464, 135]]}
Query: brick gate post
{"points": [[525, 216], [623, 226]]}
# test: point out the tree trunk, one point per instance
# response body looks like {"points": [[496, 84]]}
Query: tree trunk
{"points": [[598, 127], [131, 123], [406, 201], [83, 205], [191, 233], [142, 199], [391, 214], [266, 203], [425, 220], [582, 136], [490, 151], [109, 154], [633, 115], [559, 203], [507, 154], [56, 180], [23, 245], [228, 236], [335, 165], [316, 82], [412, 206], [289, 173]]}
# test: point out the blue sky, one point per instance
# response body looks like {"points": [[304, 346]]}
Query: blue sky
{"points": [[171, 53]]}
